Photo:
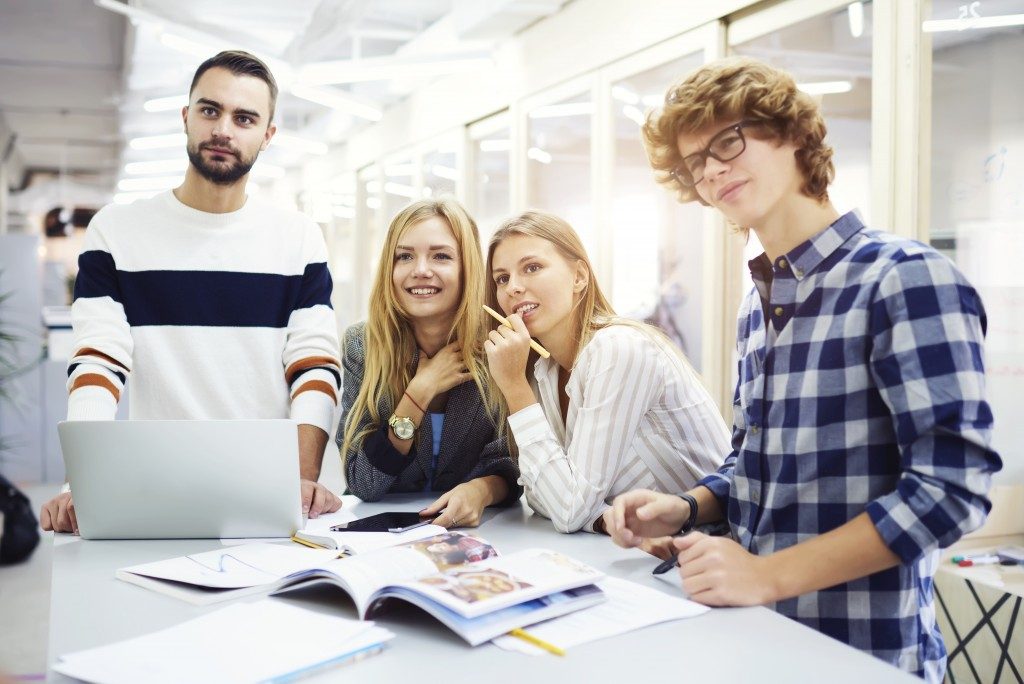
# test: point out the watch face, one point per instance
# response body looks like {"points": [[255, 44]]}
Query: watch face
{"points": [[403, 428]]}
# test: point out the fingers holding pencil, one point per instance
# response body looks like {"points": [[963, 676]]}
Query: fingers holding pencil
{"points": [[534, 345]]}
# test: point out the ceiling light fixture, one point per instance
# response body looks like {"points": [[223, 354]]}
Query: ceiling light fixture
{"points": [[338, 100], [166, 104], [826, 87], [997, 21], [156, 142], [855, 17], [559, 110], [539, 155]]}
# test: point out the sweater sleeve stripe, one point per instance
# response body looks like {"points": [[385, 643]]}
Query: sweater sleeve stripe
{"points": [[317, 386], [327, 363], [95, 380], [97, 276], [316, 287]]}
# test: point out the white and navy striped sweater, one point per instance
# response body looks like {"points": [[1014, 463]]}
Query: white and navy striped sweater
{"points": [[214, 316]]}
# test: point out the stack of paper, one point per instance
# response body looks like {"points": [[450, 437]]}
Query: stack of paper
{"points": [[629, 606], [265, 641]]}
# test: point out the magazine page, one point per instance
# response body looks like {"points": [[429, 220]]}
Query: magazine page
{"points": [[479, 588], [234, 567], [363, 576], [486, 627]]}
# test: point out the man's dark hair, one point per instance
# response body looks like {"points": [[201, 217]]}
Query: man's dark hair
{"points": [[240, 63]]}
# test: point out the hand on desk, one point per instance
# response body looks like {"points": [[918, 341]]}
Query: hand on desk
{"points": [[462, 505], [640, 514], [58, 514], [717, 571], [317, 499]]}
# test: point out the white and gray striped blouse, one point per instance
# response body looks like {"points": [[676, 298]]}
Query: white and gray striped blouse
{"points": [[638, 417]]}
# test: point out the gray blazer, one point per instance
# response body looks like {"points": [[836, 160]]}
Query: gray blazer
{"points": [[470, 446]]}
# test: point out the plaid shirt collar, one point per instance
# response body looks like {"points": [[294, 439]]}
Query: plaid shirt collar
{"points": [[807, 256]]}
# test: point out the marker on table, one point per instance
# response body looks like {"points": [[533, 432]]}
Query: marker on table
{"points": [[665, 565], [534, 345], [539, 643]]}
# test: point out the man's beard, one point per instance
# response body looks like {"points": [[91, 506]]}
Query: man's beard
{"points": [[220, 174]]}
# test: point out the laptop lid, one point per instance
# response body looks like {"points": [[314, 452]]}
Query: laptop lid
{"points": [[183, 479]]}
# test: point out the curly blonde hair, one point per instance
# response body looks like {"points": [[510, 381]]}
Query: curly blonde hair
{"points": [[734, 89]]}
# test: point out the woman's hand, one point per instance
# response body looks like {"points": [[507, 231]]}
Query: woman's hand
{"points": [[508, 350], [439, 373], [463, 505]]}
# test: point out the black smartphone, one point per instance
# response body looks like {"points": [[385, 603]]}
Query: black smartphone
{"points": [[384, 522]]}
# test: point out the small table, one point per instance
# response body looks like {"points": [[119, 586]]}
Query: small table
{"points": [[979, 612]]}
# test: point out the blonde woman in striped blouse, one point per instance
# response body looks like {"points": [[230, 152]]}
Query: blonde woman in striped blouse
{"points": [[616, 407]]}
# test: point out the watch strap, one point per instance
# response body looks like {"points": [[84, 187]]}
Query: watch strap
{"points": [[690, 521]]}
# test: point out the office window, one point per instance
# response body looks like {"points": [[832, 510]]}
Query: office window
{"points": [[558, 162], [830, 57], [977, 185], [489, 175], [440, 172], [399, 187], [656, 243]]}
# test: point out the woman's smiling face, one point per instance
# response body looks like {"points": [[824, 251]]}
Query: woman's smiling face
{"points": [[427, 274]]}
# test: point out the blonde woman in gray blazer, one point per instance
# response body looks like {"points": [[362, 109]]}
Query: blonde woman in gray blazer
{"points": [[416, 412]]}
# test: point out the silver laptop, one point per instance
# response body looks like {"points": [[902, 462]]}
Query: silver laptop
{"points": [[183, 479]]}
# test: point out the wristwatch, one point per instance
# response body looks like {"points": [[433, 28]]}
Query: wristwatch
{"points": [[402, 426]]}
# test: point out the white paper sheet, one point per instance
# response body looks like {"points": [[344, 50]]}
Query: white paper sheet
{"points": [[629, 606], [248, 642]]}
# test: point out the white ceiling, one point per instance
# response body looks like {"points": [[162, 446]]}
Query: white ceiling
{"points": [[75, 74]]}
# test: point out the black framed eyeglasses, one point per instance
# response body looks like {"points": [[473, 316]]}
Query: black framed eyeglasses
{"points": [[725, 146]]}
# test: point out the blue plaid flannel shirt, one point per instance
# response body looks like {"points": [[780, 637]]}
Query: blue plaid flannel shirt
{"points": [[867, 395]]}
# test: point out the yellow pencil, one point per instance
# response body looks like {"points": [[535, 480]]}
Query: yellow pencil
{"points": [[534, 345], [539, 643]]}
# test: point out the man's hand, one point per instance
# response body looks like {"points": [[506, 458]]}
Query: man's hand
{"points": [[717, 571], [317, 499], [641, 514], [463, 505], [58, 514]]}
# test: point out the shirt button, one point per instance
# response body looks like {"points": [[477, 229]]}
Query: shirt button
{"points": [[782, 263], [778, 310], [754, 429], [797, 272]]}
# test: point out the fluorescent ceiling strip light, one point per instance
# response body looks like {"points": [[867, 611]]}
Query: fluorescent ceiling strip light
{"points": [[539, 155], [633, 114], [166, 104], [387, 68], [997, 21], [653, 101], [496, 145], [559, 110], [855, 16], [399, 170], [826, 87], [151, 183], [446, 172], [142, 168], [400, 189], [337, 100], [156, 142], [293, 142], [623, 94], [129, 197]]}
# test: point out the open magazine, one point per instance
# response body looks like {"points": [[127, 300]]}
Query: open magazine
{"points": [[459, 579]]}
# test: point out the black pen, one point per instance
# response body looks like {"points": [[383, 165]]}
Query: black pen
{"points": [[666, 565]]}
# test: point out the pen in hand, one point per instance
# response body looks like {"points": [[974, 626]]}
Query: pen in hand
{"points": [[666, 565]]}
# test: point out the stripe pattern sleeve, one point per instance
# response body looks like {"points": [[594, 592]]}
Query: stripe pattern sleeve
{"points": [[102, 361], [312, 369], [570, 484]]}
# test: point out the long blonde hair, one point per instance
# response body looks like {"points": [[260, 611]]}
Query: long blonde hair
{"points": [[591, 312], [390, 345]]}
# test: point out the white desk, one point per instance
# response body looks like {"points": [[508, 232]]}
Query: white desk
{"points": [[90, 608]]}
